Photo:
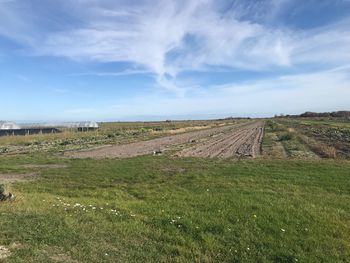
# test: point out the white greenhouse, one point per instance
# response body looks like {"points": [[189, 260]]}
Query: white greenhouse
{"points": [[8, 125], [11, 128]]}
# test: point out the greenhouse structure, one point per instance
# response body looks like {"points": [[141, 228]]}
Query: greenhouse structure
{"points": [[11, 128]]}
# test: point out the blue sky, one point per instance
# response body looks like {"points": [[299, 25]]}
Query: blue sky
{"points": [[159, 59]]}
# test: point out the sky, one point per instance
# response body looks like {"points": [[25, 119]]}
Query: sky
{"points": [[110, 60]]}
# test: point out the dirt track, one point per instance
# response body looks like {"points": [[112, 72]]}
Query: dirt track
{"points": [[227, 133], [245, 141]]}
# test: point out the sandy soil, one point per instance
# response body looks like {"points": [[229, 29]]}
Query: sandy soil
{"points": [[150, 146], [244, 141]]}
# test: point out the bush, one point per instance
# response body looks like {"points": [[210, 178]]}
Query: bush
{"points": [[271, 125], [274, 126], [286, 137]]}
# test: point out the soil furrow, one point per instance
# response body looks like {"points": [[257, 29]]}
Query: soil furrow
{"points": [[155, 145], [245, 141]]}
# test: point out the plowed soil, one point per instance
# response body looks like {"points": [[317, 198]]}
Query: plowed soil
{"points": [[243, 138], [244, 141]]}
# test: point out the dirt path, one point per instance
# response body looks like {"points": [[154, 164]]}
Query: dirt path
{"points": [[150, 146], [244, 141]]}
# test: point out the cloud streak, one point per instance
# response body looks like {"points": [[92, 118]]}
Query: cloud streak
{"points": [[290, 94], [195, 54], [169, 37]]}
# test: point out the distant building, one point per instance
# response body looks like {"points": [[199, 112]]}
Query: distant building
{"points": [[7, 125], [11, 128]]}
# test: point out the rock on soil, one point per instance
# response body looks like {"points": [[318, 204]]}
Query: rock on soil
{"points": [[4, 252]]}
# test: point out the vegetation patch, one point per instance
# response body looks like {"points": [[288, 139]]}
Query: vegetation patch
{"points": [[179, 210]]}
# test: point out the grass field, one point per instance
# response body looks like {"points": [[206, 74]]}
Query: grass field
{"points": [[163, 209]]}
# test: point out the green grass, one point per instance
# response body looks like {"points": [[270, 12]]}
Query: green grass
{"points": [[179, 210], [332, 123], [327, 138]]}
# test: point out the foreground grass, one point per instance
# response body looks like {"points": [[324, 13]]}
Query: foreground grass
{"points": [[158, 209]]}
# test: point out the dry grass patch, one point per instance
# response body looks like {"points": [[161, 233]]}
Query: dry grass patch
{"points": [[12, 178], [56, 254], [44, 166], [318, 147]]}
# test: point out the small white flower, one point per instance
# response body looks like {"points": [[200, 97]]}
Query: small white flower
{"points": [[283, 230]]}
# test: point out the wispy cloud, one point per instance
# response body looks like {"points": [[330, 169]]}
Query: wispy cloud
{"points": [[168, 37], [113, 74], [22, 77], [288, 93], [187, 47]]}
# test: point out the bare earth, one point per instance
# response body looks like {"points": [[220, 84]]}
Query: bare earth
{"points": [[246, 137], [244, 141]]}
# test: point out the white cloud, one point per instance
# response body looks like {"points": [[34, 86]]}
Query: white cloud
{"points": [[292, 94], [168, 37]]}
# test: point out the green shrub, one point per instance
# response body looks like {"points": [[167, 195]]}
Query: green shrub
{"points": [[285, 137]]}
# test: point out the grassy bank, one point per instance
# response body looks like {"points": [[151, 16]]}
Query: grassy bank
{"points": [[155, 209]]}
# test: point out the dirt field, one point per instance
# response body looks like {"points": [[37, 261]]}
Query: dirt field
{"points": [[239, 142], [241, 139]]}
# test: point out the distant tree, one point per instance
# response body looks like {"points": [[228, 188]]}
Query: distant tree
{"points": [[334, 114]]}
